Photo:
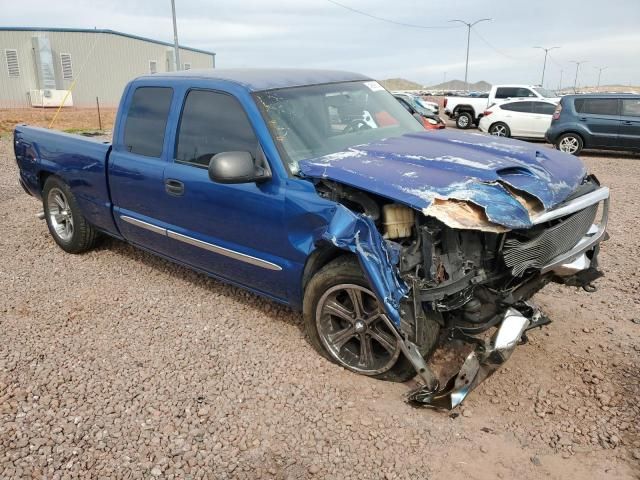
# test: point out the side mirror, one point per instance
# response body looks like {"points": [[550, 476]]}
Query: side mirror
{"points": [[237, 167]]}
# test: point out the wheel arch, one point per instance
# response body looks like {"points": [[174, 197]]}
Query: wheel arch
{"points": [[319, 257]]}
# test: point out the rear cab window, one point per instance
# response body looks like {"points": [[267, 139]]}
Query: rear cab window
{"points": [[147, 120], [514, 92]]}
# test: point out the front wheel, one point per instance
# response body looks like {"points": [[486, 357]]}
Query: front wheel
{"points": [[345, 323], [67, 225], [570, 143], [464, 120]]}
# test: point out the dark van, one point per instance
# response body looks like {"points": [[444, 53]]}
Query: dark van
{"points": [[609, 122]]}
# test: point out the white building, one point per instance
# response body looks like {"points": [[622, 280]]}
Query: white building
{"points": [[40, 65]]}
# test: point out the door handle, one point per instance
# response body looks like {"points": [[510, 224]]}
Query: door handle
{"points": [[582, 119], [174, 187], [628, 122]]}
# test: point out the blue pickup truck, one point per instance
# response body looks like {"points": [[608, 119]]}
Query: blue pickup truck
{"points": [[317, 189]]}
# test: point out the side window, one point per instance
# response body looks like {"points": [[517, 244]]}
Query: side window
{"points": [[147, 120], [631, 107], [211, 123], [504, 92], [543, 108], [524, 107], [524, 93], [598, 106]]}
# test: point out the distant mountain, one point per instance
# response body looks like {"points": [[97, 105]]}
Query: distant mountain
{"points": [[480, 86], [400, 84]]}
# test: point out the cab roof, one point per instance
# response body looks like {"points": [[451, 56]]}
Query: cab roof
{"points": [[259, 79]]}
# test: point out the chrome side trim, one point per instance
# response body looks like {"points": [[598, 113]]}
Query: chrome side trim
{"points": [[573, 206], [145, 225], [223, 251]]}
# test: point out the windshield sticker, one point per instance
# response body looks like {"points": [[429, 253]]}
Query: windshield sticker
{"points": [[374, 86]]}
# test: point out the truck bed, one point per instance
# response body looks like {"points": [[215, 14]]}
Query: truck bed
{"points": [[80, 161]]}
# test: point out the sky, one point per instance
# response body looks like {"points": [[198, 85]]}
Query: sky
{"points": [[321, 34]]}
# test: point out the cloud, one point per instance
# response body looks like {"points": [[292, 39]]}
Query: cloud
{"points": [[317, 33]]}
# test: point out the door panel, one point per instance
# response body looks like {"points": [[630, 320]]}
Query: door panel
{"points": [[136, 166], [629, 132], [601, 117], [234, 231]]}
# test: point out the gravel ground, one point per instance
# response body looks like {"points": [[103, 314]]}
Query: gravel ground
{"points": [[116, 364]]}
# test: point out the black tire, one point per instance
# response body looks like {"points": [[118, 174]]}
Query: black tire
{"points": [[464, 120], [571, 143], [346, 271], [500, 129], [81, 236]]}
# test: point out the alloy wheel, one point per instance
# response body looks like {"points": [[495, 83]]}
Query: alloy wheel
{"points": [[352, 327], [569, 145], [60, 216], [499, 130]]}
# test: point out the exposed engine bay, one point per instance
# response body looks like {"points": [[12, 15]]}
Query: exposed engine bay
{"points": [[463, 283]]}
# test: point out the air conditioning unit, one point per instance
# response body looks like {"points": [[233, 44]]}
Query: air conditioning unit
{"points": [[50, 98]]}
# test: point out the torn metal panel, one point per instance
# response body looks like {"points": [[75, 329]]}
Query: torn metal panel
{"points": [[379, 258], [463, 215], [509, 180], [479, 364]]}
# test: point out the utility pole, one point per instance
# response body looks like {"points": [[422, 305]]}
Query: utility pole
{"points": [[560, 82], [544, 65], [575, 80], [466, 65], [175, 35], [600, 69]]}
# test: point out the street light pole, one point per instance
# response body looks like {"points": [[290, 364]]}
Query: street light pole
{"points": [[560, 83], [466, 65], [600, 69], [575, 80], [175, 35], [544, 65]]}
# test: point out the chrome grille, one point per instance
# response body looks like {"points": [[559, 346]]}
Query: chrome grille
{"points": [[554, 241]]}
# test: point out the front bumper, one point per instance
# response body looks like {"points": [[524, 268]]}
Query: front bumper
{"points": [[577, 267]]}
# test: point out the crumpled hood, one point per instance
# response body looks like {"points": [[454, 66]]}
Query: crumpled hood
{"points": [[495, 183]]}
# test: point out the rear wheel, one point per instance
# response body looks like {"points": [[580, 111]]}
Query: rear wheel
{"points": [[500, 129], [464, 120], [67, 226], [346, 324], [570, 143]]}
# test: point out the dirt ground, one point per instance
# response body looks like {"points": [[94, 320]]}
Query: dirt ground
{"points": [[117, 364], [68, 118]]}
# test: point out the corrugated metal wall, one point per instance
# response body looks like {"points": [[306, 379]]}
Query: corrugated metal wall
{"points": [[102, 63]]}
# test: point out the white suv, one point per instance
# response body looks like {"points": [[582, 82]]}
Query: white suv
{"points": [[518, 118]]}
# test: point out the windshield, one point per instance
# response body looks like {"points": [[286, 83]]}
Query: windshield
{"points": [[317, 120], [545, 93]]}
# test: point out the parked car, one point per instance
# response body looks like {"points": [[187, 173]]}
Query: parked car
{"points": [[412, 99], [519, 118], [317, 189], [428, 119], [609, 122], [467, 111]]}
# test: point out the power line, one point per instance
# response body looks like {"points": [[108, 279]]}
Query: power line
{"points": [[394, 22], [486, 42]]}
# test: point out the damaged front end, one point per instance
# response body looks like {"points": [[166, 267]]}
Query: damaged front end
{"points": [[466, 264]]}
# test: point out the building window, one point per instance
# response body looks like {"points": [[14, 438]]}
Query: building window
{"points": [[12, 63], [67, 67], [153, 66], [187, 66]]}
